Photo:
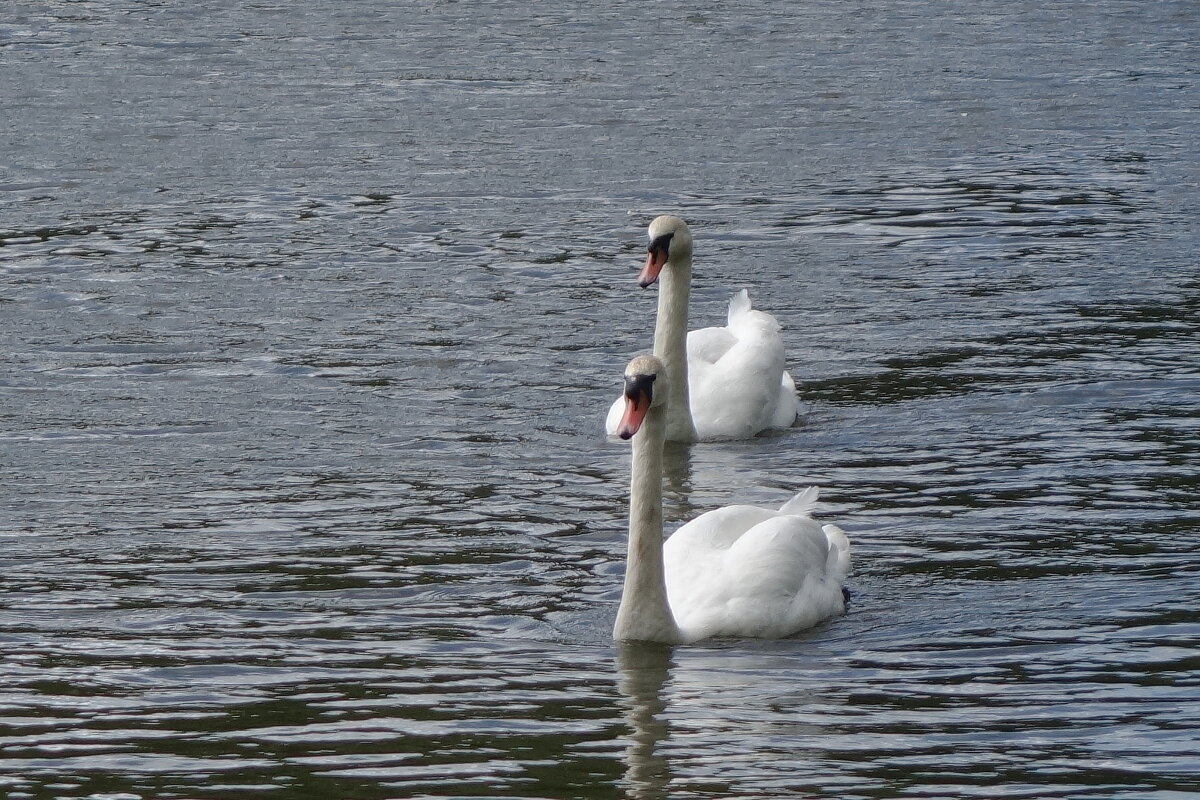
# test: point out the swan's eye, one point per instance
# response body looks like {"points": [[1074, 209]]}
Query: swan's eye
{"points": [[660, 243]]}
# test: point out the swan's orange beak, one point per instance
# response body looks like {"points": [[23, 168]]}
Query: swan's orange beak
{"points": [[655, 258], [635, 413], [639, 394]]}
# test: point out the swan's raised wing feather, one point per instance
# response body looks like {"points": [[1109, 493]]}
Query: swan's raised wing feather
{"points": [[803, 502]]}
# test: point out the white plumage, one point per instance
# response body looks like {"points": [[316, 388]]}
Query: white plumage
{"points": [[735, 379], [749, 571], [736, 571]]}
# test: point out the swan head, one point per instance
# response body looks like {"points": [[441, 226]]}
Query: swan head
{"points": [[645, 388], [670, 239]]}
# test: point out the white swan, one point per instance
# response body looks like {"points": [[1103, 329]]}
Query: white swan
{"points": [[726, 383], [736, 571]]}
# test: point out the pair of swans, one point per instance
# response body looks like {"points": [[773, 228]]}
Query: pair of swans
{"points": [[726, 383], [739, 570]]}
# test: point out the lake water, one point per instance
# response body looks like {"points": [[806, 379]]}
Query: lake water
{"points": [[312, 311]]}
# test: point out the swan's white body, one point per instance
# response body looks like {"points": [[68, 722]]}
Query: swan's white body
{"points": [[735, 381], [736, 571], [751, 571]]}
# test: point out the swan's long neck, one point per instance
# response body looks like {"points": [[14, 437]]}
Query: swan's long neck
{"points": [[644, 613], [670, 344]]}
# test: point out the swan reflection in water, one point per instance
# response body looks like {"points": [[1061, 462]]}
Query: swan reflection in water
{"points": [[642, 671], [707, 715]]}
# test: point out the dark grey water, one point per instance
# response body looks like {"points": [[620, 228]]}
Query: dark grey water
{"points": [[311, 313]]}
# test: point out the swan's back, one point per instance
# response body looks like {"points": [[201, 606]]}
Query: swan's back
{"points": [[749, 571], [736, 378]]}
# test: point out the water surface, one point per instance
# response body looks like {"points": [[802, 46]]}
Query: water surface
{"points": [[312, 316]]}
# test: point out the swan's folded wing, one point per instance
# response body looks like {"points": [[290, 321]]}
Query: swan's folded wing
{"points": [[778, 555], [839, 552], [736, 379], [780, 578], [717, 530], [694, 558], [705, 346]]}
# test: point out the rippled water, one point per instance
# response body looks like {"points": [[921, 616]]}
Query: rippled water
{"points": [[312, 315]]}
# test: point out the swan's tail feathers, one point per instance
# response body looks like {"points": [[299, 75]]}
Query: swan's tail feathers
{"points": [[739, 304], [838, 564], [802, 503]]}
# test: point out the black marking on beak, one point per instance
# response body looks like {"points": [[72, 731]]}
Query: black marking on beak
{"points": [[661, 244], [639, 388]]}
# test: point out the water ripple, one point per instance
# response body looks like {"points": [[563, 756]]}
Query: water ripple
{"points": [[313, 328]]}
